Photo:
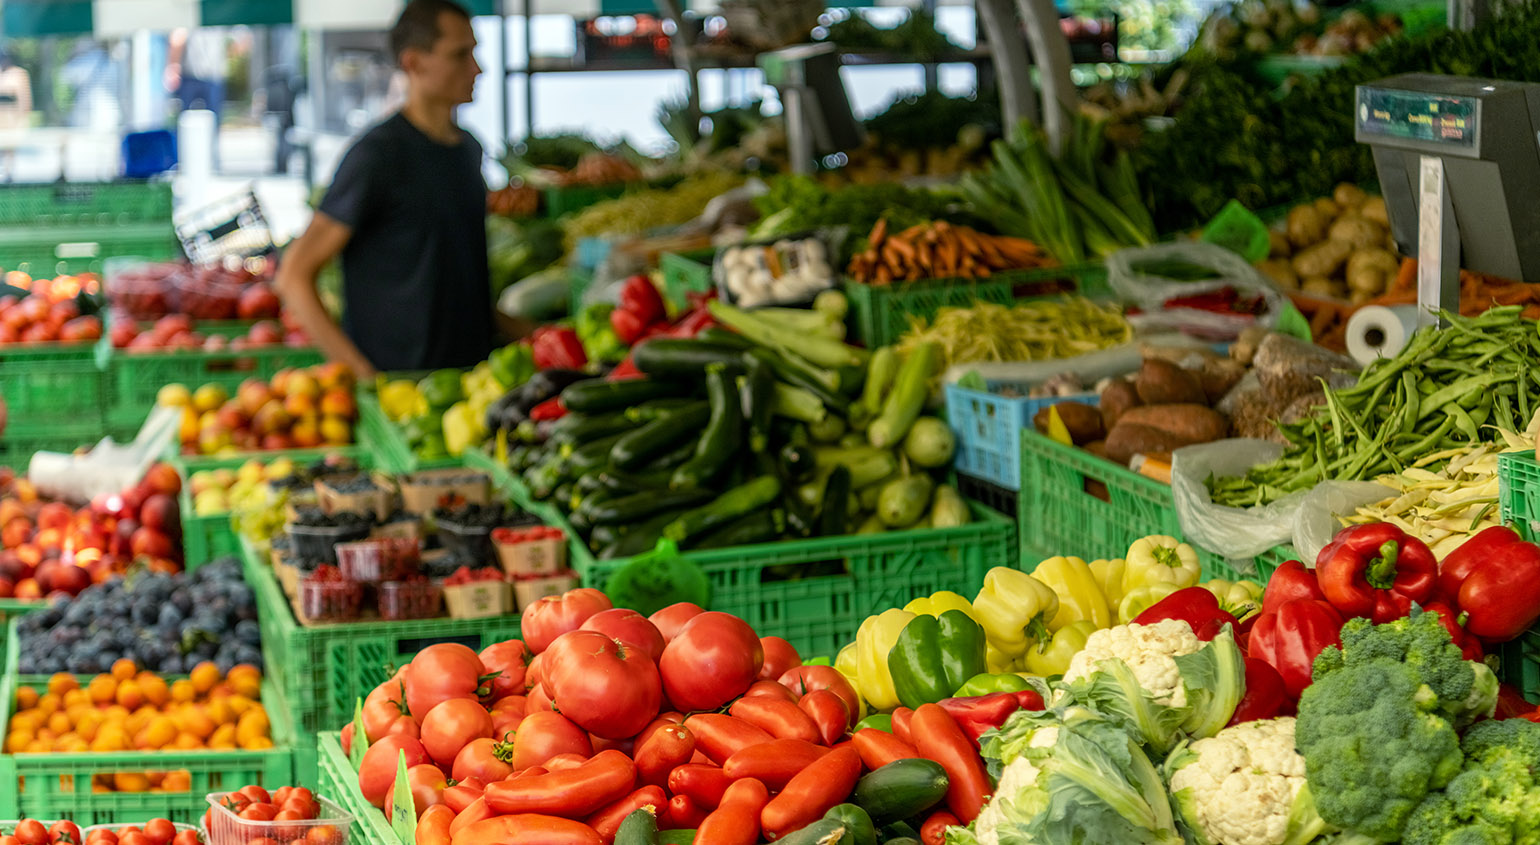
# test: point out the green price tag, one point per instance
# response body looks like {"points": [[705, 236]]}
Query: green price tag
{"points": [[403, 811], [360, 741]]}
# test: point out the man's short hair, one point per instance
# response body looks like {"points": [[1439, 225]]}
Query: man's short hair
{"points": [[418, 25]]}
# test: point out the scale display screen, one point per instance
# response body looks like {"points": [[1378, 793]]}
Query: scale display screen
{"points": [[1417, 116]]}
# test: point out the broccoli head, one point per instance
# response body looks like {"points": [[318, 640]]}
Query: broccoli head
{"points": [[1466, 691], [1374, 746], [1494, 799]]}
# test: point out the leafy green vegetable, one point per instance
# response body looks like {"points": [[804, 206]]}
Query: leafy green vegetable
{"points": [[799, 203]]}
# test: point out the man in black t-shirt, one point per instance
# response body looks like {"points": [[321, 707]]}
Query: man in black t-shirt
{"points": [[407, 214]]}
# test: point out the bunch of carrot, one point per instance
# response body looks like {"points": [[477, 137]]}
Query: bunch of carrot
{"points": [[940, 250]]}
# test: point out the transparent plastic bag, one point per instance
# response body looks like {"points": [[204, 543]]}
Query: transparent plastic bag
{"points": [[1150, 276], [1305, 519]]}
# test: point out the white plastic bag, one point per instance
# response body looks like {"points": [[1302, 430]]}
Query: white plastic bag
{"points": [[1304, 519], [1132, 275]]}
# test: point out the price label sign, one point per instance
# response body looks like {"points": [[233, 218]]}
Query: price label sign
{"points": [[403, 812], [360, 741]]}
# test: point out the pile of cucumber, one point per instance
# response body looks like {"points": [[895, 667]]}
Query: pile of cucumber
{"points": [[727, 441]]}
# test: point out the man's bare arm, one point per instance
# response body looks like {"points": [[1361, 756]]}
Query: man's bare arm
{"points": [[297, 273]]}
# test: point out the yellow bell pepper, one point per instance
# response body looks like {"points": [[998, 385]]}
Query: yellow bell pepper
{"points": [[398, 398], [999, 663], [1014, 609], [1080, 597], [1242, 599], [940, 602], [462, 429], [1159, 559], [1052, 657], [1140, 599], [848, 665], [874, 639], [1109, 575]]}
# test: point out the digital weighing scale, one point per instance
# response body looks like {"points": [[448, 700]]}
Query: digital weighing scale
{"points": [[819, 120], [1459, 164]]}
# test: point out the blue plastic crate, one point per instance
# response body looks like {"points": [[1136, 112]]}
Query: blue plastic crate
{"points": [[988, 428]]}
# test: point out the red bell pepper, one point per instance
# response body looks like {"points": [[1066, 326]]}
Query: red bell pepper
{"points": [[692, 322], [1289, 582], [1266, 697], [558, 348], [625, 370], [640, 298], [1492, 577], [628, 326], [1195, 606], [1377, 570], [1469, 645], [1511, 703], [550, 409], [1289, 639], [977, 714]]}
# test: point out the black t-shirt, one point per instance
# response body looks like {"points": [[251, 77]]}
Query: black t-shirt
{"points": [[414, 272]]}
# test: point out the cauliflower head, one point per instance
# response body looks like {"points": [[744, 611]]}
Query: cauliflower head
{"points": [[1150, 651], [1245, 786]]}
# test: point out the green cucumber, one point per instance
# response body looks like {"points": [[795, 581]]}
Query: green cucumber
{"points": [[604, 535], [639, 828], [901, 789], [638, 537], [820, 383], [761, 526], [744, 498], [900, 831], [584, 428], [631, 482], [665, 464], [595, 396], [827, 430], [638, 506], [634, 449], [858, 824], [683, 358], [724, 337], [821, 832], [723, 435], [651, 410], [833, 516], [758, 393], [591, 455]]}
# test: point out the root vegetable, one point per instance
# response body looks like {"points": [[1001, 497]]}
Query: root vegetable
{"points": [[1278, 245], [1371, 271], [1117, 397], [1323, 259], [1191, 422], [1348, 195], [1082, 421], [1281, 271], [1129, 439], [1162, 382], [1374, 209], [1319, 285], [1306, 225], [1358, 231]]}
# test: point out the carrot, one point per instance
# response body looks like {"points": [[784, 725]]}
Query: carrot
{"points": [[901, 245], [1406, 276], [879, 231]]}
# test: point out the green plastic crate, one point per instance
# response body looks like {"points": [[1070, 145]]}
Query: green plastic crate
{"points": [[20, 441], [880, 314], [91, 203], [50, 251], [1074, 503], [205, 538], [59, 785], [325, 669], [560, 202], [1518, 478], [386, 443], [189, 464], [339, 782], [685, 273], [52, 384]]}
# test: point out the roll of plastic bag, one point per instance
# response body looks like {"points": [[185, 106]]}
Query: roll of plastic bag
{"points": [[1375, 332]]}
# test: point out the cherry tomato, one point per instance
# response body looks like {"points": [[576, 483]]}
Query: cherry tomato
{"points": [[64, 832], [160, 831], [259, 813], [31, 832], [186, 837], [135, 837], [324, 834], [257, 794], [303, 808], [9, 839]]}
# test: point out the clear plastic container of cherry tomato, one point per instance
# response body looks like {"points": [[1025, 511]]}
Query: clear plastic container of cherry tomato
{"points": [[379, 559], [415, 599], [225, 827], [330, 601]]}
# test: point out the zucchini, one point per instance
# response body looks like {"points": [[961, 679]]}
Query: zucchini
{"points": [[638, 506], [901, 789], [879, 377], [800, 521], [858, 824], [832, 517], [725, 337], [797, 462], [631, 482], [761, 526], [911, 387], [820, 383], [666, 463], [604, 535], [903, 502], [636, 448], [900, 831], [900, 840], [684, 358], [821, 832], [827, 430], [595, 396], [758, 391], [591, 455], [723, 435], [650, 410], [639, 828], [583, 428], [638, 537], [588, 484], [744, 498]]}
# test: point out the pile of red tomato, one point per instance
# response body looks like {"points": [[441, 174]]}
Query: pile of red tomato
{"points": [[555, 740], [152, 832]]}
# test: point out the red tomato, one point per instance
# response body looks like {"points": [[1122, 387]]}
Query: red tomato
{"points": [[104, 836], [296, 816], [259, 813], [670, 619], [711, 661], [382, 707], [451, 725], [160, 831], [186, 837], [552, 616], [507, 713], [304, 794], [324, 834], [780, 658], [629, 627], [483, 758], [9, 839], [303, 808], [256, 794], [805, 679], [378, 772], [428, 784], [136, 837], [605, 686], [545, 734], [31, 832], [67, 831], [509, 659], [441, 672], [773, 689], [432, 826], [405, 726], [347, 740]]}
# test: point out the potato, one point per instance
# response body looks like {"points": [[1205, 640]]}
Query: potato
{"points": [[1374, 209], [1318, 285], [1129, 439], [1348, 195], [1192, 422], [1117, 398], [1162, 383], [1219, 375], [1306, 225], [1084, 422], [1281, 272], [1323, 259], [1327, 207], [1360, 232], [1371, 271], [1278, 245]]}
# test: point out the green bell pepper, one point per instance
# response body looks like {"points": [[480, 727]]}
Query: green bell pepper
{"points": [[512, 365], [934, 656], [880, 721], [984, 684], [441, 388]]}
